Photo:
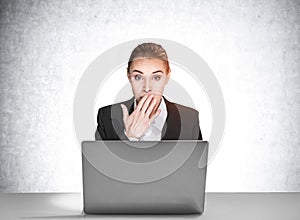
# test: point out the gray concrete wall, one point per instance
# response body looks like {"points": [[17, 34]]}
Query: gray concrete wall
{"points": [[252, 47]]}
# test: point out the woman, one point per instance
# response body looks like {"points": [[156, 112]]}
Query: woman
{"points": [[148, 116]]}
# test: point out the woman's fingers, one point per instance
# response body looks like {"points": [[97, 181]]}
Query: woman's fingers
{"points": [[147, 103], [138, 122], [150, 108], [141, 102]]}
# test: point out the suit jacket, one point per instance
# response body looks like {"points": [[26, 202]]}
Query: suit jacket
{"points": [[182, 122]]}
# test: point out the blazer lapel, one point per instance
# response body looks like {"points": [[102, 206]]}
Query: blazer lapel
{"points": [[116, 116], [130, 105], [172, 126]]}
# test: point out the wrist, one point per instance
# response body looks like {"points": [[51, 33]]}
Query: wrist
{"points": [[131, 138]]}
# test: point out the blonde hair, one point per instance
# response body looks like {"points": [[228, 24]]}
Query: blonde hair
{"points": [[150, 51]]}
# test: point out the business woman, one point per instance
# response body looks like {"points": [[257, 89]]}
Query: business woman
{"points": [[148, 116]]}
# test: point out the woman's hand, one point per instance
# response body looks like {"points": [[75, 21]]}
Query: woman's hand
{"points": [[139, 121]]}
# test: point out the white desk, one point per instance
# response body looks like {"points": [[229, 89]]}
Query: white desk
{"points": [[231, 206]]}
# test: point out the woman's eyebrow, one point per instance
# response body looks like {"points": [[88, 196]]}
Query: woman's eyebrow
{"points": [[137, 71], [157, 71]]}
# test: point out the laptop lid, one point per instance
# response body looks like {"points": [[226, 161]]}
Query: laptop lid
{"points": [[123, 177]]}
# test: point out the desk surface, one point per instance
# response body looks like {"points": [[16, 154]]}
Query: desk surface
{"points": [[218, 206]]}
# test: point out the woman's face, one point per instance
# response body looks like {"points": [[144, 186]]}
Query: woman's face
{"points": [[148, 76]]}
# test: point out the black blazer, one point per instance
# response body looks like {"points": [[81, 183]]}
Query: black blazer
{"points": [[182, 122]]}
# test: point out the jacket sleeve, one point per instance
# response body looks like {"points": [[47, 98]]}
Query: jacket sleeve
{"points": [[100, 133], [197, 131]]}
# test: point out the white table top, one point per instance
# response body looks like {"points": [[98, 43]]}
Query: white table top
{"points": [[232, 206]]}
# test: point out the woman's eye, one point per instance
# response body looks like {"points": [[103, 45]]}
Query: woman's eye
{"points": [[157, 78], [137, 77]]}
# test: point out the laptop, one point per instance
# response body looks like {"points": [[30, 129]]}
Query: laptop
{"points": [[123, 177]]}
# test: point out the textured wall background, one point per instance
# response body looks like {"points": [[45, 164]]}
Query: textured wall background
{"points": [[252, 47]]}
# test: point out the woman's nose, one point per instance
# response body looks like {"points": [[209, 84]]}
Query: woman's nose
{"points": [[147, 86]]}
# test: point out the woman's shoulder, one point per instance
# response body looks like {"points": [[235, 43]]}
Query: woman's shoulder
{"points": [[181, 108], [117, 105]]}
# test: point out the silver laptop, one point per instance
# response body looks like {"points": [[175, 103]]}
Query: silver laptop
{"points": [[123, 177]]}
